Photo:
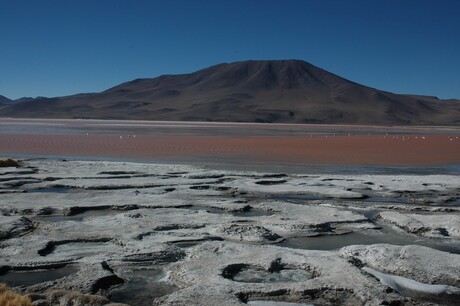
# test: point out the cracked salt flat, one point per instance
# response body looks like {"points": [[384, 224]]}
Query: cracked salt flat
{"points": [[152, 215]]}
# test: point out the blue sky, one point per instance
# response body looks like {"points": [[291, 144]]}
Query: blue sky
{"points": [[62, 47]]}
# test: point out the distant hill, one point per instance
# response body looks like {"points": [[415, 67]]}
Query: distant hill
{"points": [[4, 100], [290, 91], [28, 99]]}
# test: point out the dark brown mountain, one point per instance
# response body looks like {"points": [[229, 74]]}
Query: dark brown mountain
{"points": [[290, 91]]}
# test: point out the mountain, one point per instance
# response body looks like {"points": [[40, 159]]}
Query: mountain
{"points": [[4, 100], [291, 91], [28, 99]]}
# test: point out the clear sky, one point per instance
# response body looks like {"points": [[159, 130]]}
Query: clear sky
{"points": [[62, 47]]}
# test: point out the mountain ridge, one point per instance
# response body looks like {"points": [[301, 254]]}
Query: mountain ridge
{"points": [[289, 91], [4, 100]]}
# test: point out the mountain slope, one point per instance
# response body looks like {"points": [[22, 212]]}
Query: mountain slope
{"points": [[4, 100], [251, 91]]}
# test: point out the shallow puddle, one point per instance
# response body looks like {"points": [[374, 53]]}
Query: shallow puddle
{"points": [[77, 217], [249, 213], [83, 249], [259, 275], [187, 244], [371, 197], [142, 286], [276, 303], [32, 277], [387, 234], [429, 200], [56, 189], [296, 198], [252, 213]]}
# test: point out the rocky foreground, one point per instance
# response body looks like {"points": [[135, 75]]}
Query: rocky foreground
{"points": [[108, 233]]}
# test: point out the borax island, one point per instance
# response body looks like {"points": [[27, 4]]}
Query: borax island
{"points": [[249, 183]]}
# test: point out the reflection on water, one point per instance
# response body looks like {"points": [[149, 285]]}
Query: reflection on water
{"points": [[242, 213], [31, 277], [83, 249], [429, 200], [142, 286], [252, 213], [78, 217], [388, 234], [187, 244], [296, 198], [56, 189]]}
